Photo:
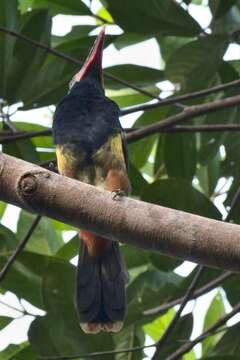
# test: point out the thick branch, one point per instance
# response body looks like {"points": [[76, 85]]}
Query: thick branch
{"points": [[187, 114], [172, 232]]}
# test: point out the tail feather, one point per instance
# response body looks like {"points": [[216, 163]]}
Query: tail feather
{"points": [[100, 295]]}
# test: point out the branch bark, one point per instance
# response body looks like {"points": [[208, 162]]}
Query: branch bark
{"points": [[172, 232], [187, 114]]}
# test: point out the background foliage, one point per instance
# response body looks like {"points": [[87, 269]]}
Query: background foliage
{"points": [[186, 171]]}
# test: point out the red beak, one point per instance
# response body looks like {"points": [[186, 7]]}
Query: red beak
{"points": [[94, 59]]}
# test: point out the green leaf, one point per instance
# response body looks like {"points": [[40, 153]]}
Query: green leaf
{"points": [[129, 337], [5, 321], [156, 328], [180, 155], [9, 18], [179, 194], [2, 208], [13, 352], [128, 39], [59, 332], [229, 344], [27, 58], [138, 75], [149, 289], [153, 17], [215, 311], [45, 239], [195, 64], [70, 249], [8, 240], [219, 7], [71, 7], [140, 151], [25, 277], [208, 175]]}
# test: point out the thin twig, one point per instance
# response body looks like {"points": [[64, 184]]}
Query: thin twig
{"points": [[187, 114], [96, 354], [19, 248], [185, 348], [74, 61], [173, 100], [8, 137], [22, 135], [199, 292], [162, 341]]}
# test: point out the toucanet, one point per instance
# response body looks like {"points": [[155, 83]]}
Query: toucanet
{"points": [[90, 147]]}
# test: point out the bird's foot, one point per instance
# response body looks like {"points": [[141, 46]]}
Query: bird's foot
{"points": [[118, 194]]}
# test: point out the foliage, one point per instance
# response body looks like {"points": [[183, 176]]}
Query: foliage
{"points": [[182, 171]]}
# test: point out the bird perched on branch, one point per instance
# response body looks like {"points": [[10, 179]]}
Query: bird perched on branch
{"points": [[90, 147]]}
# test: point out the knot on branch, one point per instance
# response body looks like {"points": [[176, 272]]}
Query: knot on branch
{"points": [[27, 184]]}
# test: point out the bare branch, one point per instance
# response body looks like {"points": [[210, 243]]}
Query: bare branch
{"points": [[190, 344], [173, 100], [162, 341], [187, 114], [199, 292], [19, 249], [96, 354], [7, 137], [191, 237]]}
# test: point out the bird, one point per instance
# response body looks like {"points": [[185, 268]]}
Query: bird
{"points": [[91, 148]]}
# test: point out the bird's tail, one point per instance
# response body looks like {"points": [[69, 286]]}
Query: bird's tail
{"points": [[100, 293]]}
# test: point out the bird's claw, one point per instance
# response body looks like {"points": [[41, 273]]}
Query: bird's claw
{"points": [[118, 194]]}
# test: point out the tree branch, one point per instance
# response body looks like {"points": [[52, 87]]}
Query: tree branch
{"points": [[187, 114], [190, 290], [173, 100], [199, 292], [96, 354], [7, 137], [190, 344], [74, 61], [162, 341], [18, 249], [170, 231]]}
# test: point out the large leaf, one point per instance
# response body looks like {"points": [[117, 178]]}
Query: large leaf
{"points": [[27, 58], [215, 311], [25, 277], [153, 17], [179, 194], [180, 155], [45, 239], [229, 343], [59, 332], [136, 74], [219, 8], [195, 64], [5, 321], [70, 7], [9, 17]]}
